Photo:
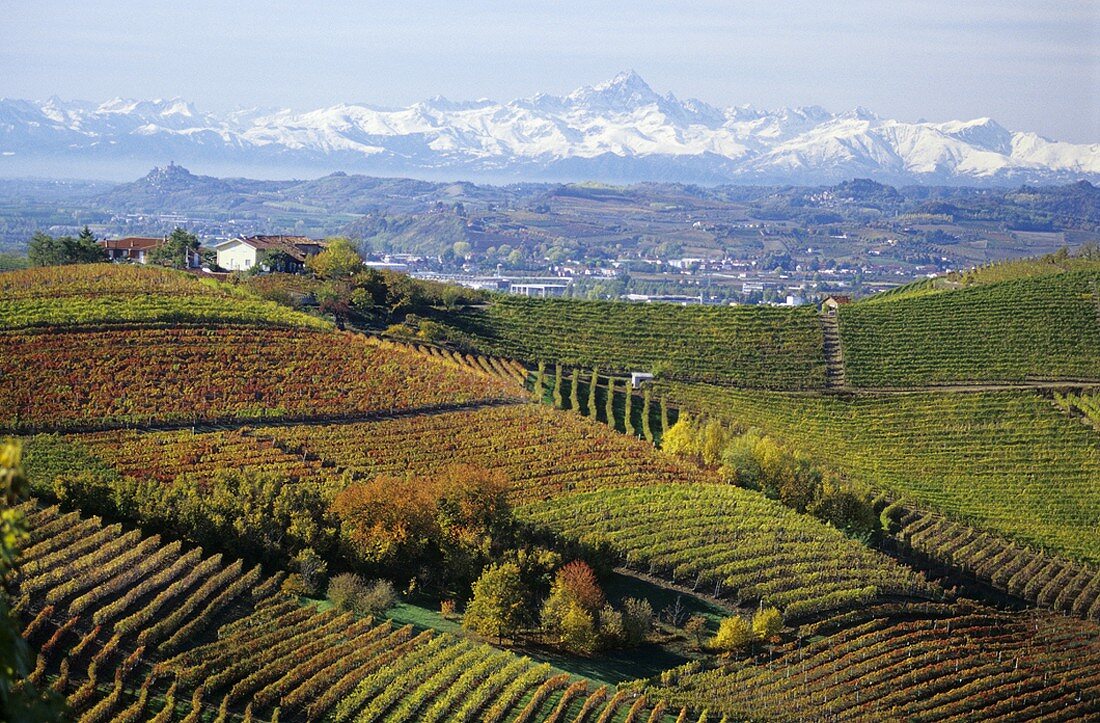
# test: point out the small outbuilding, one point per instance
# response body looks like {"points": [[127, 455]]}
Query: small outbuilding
{"points": [[833, 302]]}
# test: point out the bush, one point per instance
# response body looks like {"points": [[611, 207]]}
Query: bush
{"points": [[637, 620], [352, 593]]}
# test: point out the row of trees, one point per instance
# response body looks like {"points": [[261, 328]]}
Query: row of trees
{"points": [[575, 616], [46, 250], [757, 461]]}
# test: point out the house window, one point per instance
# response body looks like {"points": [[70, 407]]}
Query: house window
{"points": [[247, 263]]}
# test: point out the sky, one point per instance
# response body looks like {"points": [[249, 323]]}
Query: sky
{"points": [[1032, 65]]}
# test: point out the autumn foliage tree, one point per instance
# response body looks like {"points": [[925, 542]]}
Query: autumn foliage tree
{"points": [[570, 614], [454, 520]]}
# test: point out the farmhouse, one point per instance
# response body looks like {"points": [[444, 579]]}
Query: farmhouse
{"points": [[831, 303], [138, 248], [279, 253]]}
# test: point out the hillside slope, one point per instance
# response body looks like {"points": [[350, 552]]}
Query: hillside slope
{"points": [[1010, 461], [1036, 327], [757, 347]]}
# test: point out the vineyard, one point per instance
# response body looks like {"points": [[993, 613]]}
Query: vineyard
{"points": [[913, 662], [109, 294], [661, 516], [1043, 327], [1009, 461], [733, 543], [542, 453], [1041, 579], [183, 375], [129, 629], [758, 347]]}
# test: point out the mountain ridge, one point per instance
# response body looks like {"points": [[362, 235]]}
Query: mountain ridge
{"points": [[620, 130]]}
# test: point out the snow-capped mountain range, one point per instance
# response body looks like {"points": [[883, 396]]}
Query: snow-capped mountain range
{"points": [[621, 130]]}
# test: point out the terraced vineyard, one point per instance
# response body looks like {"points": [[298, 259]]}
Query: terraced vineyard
{"points": [[543, 453], [730, 542], [927, 662], [1043, 327], [758, 347], [504, 368], [110, 294], [660, 515], [120, 621], [1007, 461], [182, 375], [1039, 578]]}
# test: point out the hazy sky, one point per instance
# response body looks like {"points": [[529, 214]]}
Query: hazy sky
{"points": [[1032, 65]]}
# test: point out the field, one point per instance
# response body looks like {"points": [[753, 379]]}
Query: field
{"points": [[130, 628], [567, 474], [242, 455], [108, 294], [755, 347], [1008, 461], [730, 542], [927, 662], [191, 375], [1043, 327]]}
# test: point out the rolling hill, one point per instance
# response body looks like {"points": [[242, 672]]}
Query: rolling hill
{"points": [[198, 453]]}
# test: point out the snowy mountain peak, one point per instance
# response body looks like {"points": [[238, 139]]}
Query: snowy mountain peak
{"points": [[625, 92], [620, 130]]}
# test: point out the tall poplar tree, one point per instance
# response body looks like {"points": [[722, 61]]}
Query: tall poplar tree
{"points": [[592, 384], [609, 404]]}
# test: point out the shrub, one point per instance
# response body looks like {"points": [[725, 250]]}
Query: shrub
{"points": [[352, 593], [637, 620]]}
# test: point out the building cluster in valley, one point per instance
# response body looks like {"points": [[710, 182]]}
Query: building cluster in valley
{"points": [[699, 280]]}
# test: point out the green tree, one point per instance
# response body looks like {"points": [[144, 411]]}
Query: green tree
{"points": [[540, 381], [637, 620], [175, 250], [462, 249], [647, 427], [46, 250], [578, 630], [593, 383], [628, 412], [574, 391], [339, 261], [496, 608], [558, 401], [609, 403], [664, 416]]}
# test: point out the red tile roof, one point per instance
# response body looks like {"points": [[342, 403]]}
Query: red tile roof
{"points": [[133, 243]]}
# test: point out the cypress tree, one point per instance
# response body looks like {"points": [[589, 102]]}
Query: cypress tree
{"points": [[664, 416], [592, 384], [557, 387], [609, 404], [574, 399], [628, 421], [540, 381], [647, 428]]}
